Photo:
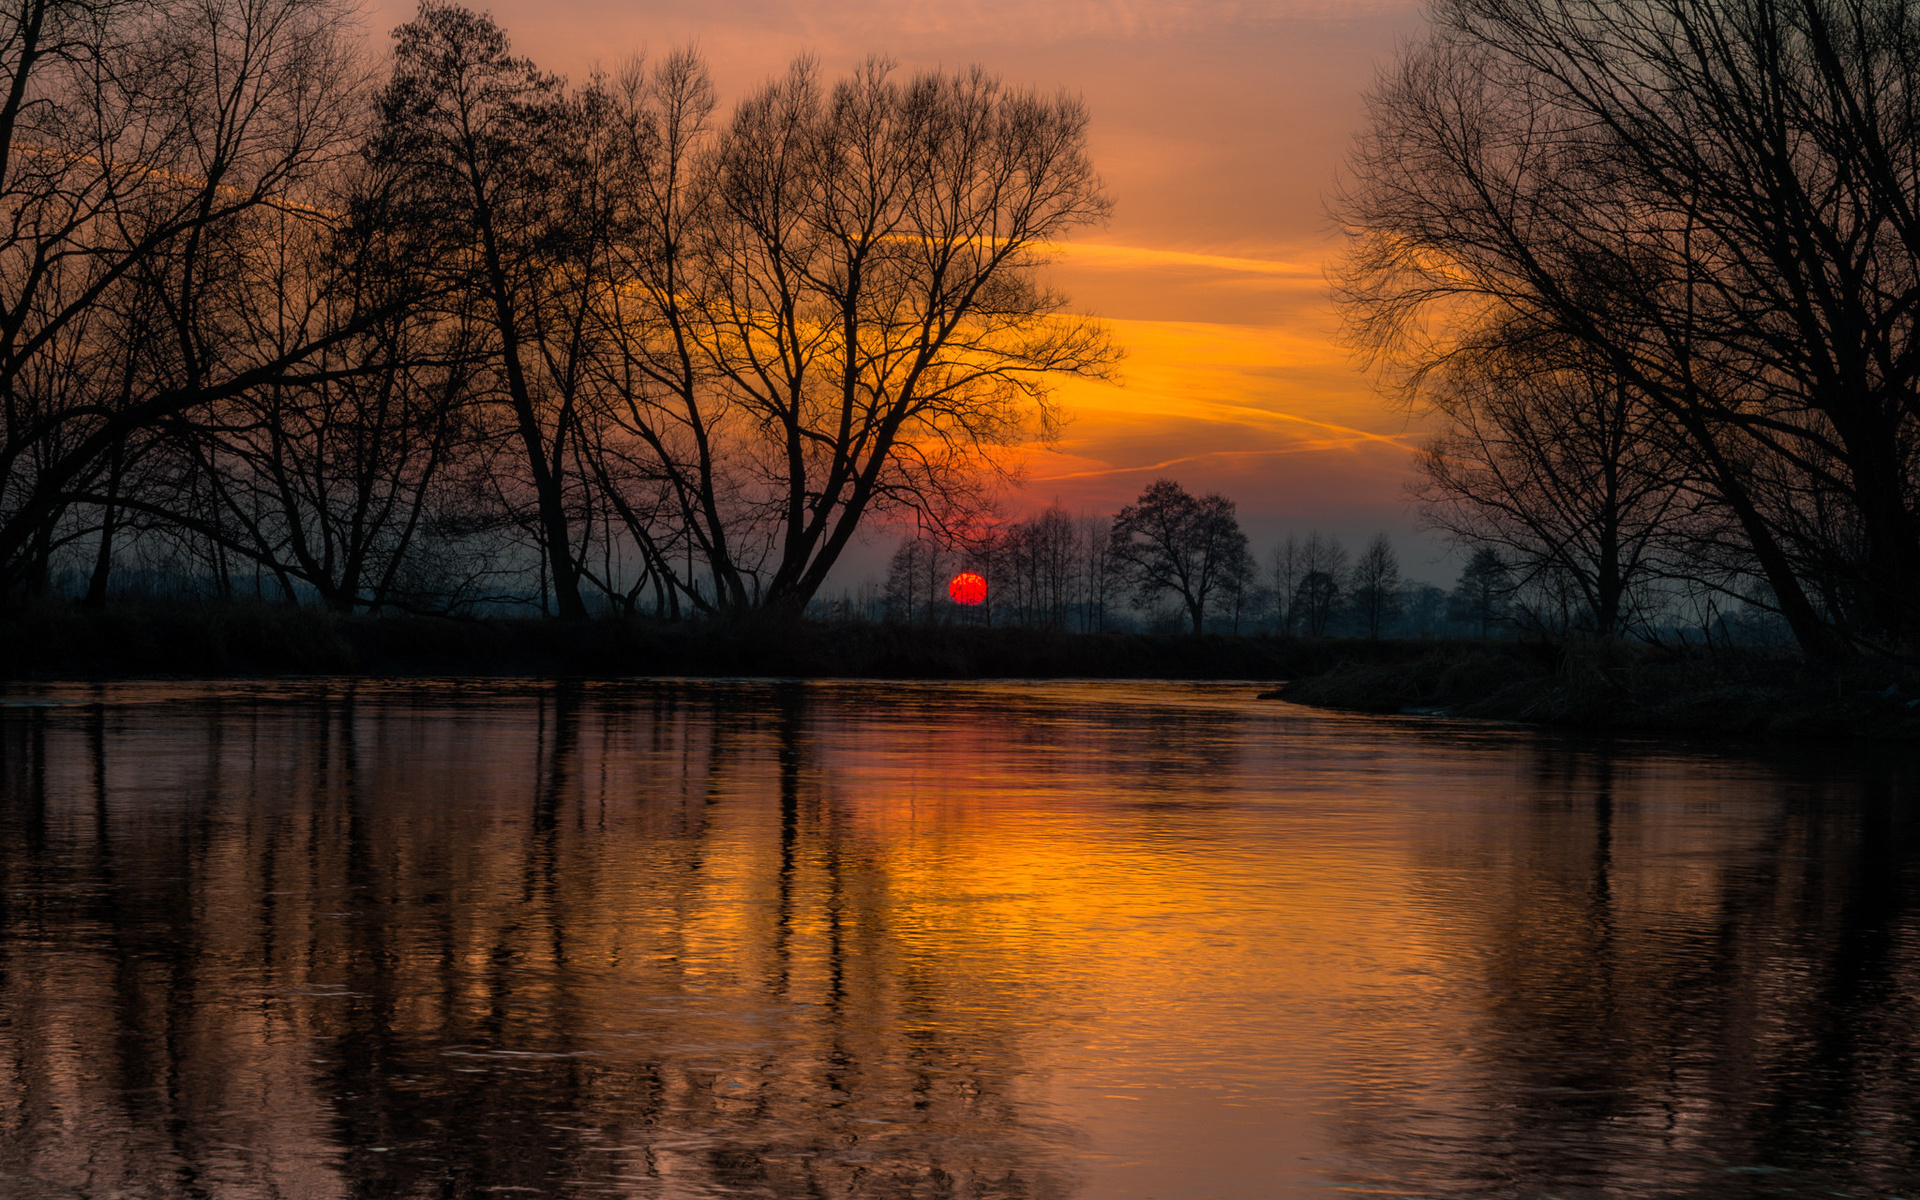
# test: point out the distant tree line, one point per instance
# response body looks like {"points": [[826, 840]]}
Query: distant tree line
{"points": [[1175, 561], [1654, 266], [1053, 571], [456, 332]]}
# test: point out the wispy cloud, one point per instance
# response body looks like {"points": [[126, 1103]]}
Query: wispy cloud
{"points": [[1212, 458], [988, 20], [1117, 257], [1225, 406]]}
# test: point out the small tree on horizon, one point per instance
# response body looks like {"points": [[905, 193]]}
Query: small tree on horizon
{"points": [[1316, 600], [1285, 578], [1375, 592], [1320, 566], [1426, 607], [1172, 541], [1481, 595], [1096, 572], [916, 581]]}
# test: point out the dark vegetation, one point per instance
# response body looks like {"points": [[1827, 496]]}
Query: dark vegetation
{"points": [[1742, 691], [1169, 558], [249, 638], [1747, 691], [448, 333], [1651, 268], [328, 354]]}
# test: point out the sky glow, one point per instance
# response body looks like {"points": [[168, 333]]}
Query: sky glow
{"points": [[1218, 126]]}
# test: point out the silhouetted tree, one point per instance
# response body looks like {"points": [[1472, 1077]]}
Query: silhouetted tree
{"points": [[334, 484], [377, 346], [1374, 592], [146, 150], [917, 578], [488, 146], [1171, 541], [1480, 598], [1712, 202], [1320, 567], [1046, 546], [1097, 573], [1572, 475], [833, 308], [1426, 607], [1316, 599], [1283, 574]]}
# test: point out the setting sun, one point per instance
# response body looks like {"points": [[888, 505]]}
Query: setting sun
{"points": [[967, 588], [1068, 599]]}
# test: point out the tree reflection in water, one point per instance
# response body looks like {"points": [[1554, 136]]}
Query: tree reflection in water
{"points": [[1665, 1002], [337, 940]]}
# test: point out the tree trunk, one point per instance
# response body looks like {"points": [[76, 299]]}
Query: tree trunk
{"points": [[96, 596], [39, 560]]}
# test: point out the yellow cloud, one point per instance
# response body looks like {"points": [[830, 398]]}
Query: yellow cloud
{"points": [[1223, 406]]}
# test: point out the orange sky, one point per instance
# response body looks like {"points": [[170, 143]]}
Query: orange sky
{"points": [[1218, 127]]}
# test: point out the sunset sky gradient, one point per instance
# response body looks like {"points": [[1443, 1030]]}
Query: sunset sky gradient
{"points": [[1219, 126]]}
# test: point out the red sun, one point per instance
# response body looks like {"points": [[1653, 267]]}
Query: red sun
{"points": [[967, 588]]}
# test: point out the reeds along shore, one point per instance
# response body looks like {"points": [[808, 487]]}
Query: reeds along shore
{"points": [[1737, 692]]}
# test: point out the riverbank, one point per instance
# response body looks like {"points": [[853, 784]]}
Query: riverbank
{"points": [[247, 640], [1631, 689], [1752, 693]]}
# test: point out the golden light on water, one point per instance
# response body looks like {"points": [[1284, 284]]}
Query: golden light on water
{"points": [[1068, 939]]}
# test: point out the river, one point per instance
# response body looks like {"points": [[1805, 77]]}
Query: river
{"points": [[319, 939]]}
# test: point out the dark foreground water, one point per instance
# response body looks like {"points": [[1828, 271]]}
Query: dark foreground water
{"points": [[821, 940]]}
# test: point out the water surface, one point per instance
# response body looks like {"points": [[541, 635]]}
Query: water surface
{"points": [[675, 939]]}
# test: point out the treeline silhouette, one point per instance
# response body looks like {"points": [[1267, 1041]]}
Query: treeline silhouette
{"points": [[1173, 561], [1654, 265], [452, 333]]}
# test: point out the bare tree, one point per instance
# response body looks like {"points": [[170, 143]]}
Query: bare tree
{"points": [[917, 580], [841, 305], [1375, 588], [141, 144], [1569, 473], [1322, 566], [1171, 541], [1426, 608], [1244, 597], [1050, 541], [1482, 597], [335, 340], [489, 146], [1713, 202], [1284, 575], [1097, 574], [334, 484]]}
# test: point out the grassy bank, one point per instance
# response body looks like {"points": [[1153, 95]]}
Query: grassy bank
{"points": [[254, 640], [1739, 692]]}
